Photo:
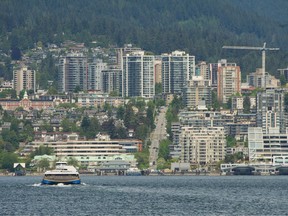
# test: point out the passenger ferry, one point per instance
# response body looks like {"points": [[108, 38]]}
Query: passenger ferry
{"points": [[62, 174]]}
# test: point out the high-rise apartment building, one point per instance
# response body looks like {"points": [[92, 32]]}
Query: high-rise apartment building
{"points": [[203, 70], [229, 81], [213, 68], [95, 68], [196, 91], [121, 52], [77, 71], [177, 68], [73, 72], [24, 78], [138, 78], [270, 110], [112, 81]]}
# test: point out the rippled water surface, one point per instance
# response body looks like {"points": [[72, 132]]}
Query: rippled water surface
{"points": [[149, 195]]}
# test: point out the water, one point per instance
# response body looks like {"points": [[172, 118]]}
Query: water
{"points": [[149, 195]]}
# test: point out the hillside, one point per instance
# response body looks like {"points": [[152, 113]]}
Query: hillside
{"points": [[199, 27]]}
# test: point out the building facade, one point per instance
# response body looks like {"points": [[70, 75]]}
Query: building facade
{"points": [[112, 81], [266, 146], [138, 78], [88, 151], [177, 68], [229, 82], [73, 72], [270, 110], [95, 68], [24, 79], [202, 145], [196, 91]]}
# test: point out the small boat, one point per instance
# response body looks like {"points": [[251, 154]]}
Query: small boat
{"points": [[62, 174], [133, 172]]}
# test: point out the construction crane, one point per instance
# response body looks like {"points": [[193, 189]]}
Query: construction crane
{"points": [[263, 49]]}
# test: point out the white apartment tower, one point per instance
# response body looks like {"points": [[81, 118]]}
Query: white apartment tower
{"points": [[73, 72], [24, 78], [270, 110], [138, 78], [95, 69], [177, 68]]}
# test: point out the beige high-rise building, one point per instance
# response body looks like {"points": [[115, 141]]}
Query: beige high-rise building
{"points": [[202, 145], [229, 82], [24, 78], [197, 91]]}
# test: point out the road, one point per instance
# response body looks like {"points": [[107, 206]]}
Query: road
{"points": [[156, 136]]}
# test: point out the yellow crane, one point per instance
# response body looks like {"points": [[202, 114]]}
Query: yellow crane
{"points": [[263, 49]]}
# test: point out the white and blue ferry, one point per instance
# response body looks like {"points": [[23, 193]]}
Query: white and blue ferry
{"points": [[63, 174]]}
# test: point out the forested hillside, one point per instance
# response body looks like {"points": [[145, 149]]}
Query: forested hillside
{"points": [[200, 27]]}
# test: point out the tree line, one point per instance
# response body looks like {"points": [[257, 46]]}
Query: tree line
{"points": [[198, 27]]}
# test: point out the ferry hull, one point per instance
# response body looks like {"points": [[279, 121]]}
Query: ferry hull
{"points": [[54, 182]]}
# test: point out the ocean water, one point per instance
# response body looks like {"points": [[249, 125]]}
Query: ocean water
{"points": [[147, 195]]}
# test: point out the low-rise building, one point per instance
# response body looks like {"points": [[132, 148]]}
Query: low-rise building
{"points": [[266, 146], [85, 151]]}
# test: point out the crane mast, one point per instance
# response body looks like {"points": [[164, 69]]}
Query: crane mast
{"points": [[263, 49]]}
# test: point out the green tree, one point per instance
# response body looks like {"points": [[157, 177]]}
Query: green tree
{"points": [[142, 158], [158, 88], [283, 80], [77, 89], [52, 91], [246, 104], [215, 101], [10, 136], [27, 134], [109, 127], [114, 94], [129, 117], [7, 159], [120, 112], [231, 141], [234, 158], [85, 123], [41, 150], [47, 127], [43, 164], [73, 162], [150, 116], [229, 103], [164, 151], [66, 125], [142, 132], [121, 132]]}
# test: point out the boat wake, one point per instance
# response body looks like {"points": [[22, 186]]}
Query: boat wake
{"points": [[55, 185]]}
